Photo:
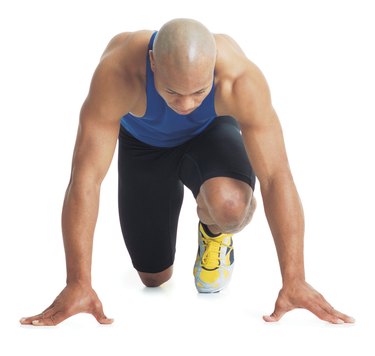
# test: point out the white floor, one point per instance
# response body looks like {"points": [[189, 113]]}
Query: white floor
{"points": [[175, 319]]}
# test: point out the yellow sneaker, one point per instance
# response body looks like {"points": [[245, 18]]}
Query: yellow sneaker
{"points": [[214, 264]]}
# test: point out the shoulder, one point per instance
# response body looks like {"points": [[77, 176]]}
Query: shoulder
{"points": [[231, 61], [119, 78], [126, 52], [240, 84]]}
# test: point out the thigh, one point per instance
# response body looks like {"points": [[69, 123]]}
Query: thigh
{"points": [[150, 198], [218, 151]]}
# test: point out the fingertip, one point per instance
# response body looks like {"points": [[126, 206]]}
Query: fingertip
{"points": [[105, 320], [269, 319]]}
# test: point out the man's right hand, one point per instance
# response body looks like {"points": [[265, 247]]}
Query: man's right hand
{"points": [[73, 299]]}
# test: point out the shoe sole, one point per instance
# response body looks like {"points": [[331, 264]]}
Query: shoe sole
{"points": [[216, 290]]}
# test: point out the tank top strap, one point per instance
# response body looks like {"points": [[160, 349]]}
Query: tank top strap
{"points": [[150, 47], [152, 39]]}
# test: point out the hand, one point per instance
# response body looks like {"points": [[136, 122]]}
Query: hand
{"points": [[72, 300], [302, 295]]}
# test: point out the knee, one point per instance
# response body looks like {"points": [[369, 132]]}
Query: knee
{"points": [[230, 210], [155, 279], [229, 214], [152, 282]]}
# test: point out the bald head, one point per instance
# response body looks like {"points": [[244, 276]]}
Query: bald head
{"points": [[184, 44], [183, 62]]}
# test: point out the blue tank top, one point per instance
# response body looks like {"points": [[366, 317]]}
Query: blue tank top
{"points": [[163, 127]]}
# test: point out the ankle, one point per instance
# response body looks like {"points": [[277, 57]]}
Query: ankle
{"points": [[211, 230]]}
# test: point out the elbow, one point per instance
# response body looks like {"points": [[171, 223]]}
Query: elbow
{"points": [[83, 184], [279, 178]]}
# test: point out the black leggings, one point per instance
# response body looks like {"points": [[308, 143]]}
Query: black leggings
{"points": [[151, 186]]}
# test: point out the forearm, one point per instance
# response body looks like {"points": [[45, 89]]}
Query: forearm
{"points": [[79, 217], [285, 217]]}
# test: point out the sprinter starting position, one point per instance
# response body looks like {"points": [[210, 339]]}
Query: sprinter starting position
{"points": [[188, 108]]}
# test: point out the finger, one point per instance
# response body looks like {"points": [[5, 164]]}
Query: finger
{"points": [[100, 316], [331, 310], [28, 320], [276, 315], [273, 317], [344, 317], [323, 314], [338, 315], [48, 313], [269, 318], [105, 320], [51, 320]]}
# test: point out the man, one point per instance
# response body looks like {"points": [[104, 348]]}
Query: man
{"points": [[177, 100]]}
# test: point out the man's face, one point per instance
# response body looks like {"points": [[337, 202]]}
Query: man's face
{"points": [[183, 91]]}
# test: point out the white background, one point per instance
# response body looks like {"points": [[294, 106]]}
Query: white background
{"points": [[318, 57]]}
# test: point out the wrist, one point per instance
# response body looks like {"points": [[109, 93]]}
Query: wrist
{"points": [[78, 274], [291, 282], [81, 282], [293, 278]]}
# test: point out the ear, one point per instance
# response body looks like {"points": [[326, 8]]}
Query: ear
{"points": [[152, 60]]}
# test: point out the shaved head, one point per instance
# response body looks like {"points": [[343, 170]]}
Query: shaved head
{"points": [[183, 61], [184, 44]]}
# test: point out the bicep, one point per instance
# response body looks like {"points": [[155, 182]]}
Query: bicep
{"points": [[108, 100], [95, 145], [261, 128]]}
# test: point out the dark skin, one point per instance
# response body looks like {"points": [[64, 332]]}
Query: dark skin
{"points": [[118, 87]]}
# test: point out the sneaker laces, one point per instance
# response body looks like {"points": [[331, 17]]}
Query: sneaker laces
{"points": [[211, 255]]}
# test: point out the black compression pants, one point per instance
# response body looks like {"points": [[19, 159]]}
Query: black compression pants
{"points": [[151, 186]]}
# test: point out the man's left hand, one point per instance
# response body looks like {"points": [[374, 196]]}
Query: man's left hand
{"points": [[302, 295]]}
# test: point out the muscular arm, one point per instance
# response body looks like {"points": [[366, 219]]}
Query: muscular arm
{"points": [[95, 145], [112, 94], [245, 95], [250, 102], [264, 142]]}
